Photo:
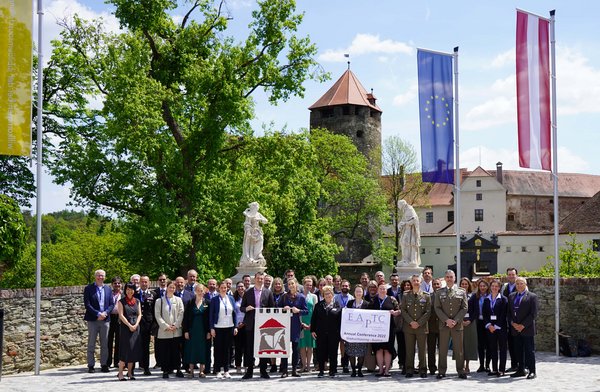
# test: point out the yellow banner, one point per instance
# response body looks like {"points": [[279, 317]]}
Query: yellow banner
{"points": [[15, 77]]}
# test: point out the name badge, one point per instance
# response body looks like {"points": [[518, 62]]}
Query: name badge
{"points": [[493, 317], [466, 315]]}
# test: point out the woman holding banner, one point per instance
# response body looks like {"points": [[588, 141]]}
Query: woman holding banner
{"points": [[325, 328], [294, 302], [357, 351], [385, 352]]}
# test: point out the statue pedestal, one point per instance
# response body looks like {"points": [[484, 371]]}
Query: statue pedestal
{"points": [[247, 269], [406, 271]]}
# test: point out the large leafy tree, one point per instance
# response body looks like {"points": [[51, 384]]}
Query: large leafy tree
{"points": [[146, 116], [13, 232]]}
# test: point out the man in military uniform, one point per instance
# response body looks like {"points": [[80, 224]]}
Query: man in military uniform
{"points": [[416, 309], [433, 335], [450, 305], [146, 297]]}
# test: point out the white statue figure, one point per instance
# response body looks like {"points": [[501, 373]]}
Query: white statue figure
{"points": [[410, 236], [253, 236]]}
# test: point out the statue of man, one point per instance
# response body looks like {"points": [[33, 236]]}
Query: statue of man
{"points": [[253, 235], [410, 236]]}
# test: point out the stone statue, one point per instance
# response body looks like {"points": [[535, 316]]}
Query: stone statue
{"points": [[253, 236], [410, 236]]}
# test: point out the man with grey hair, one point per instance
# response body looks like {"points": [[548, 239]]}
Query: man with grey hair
{"points": [[135, 279], [416, 309], [99, 303], [192, 276], [450, 305], [522, 312]]}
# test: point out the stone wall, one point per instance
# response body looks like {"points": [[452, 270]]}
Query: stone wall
{"points": [[64, 333]]}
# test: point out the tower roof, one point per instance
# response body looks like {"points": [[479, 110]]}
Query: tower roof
{"points": [[346, 91]]}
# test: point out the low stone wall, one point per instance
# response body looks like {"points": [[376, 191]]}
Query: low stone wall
{"points": [[64, 333]]}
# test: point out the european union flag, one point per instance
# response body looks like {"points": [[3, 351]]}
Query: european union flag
{"points": [[435, 112]]}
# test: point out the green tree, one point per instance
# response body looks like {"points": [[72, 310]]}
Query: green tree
{"points": [[13, 232], [401, 179], [175, 97], [16, 180]]}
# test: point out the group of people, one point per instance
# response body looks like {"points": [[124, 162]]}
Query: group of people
{"points": [[211, 328]]}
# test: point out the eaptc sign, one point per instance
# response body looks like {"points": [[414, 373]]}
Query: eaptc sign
{"points": [[365, 325]]}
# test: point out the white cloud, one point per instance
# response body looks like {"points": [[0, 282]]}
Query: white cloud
{"points": [[366, 44], [496, 111], [407, 96], [504, 59]]}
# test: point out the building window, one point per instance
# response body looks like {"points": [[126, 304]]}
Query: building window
{"points": [[450, 216], [479, 196], [523, 249], [437, 251], [508, 249], [479, 215], [510, 217], [429, 217], [541, 248], [422, 251], [596, 245], [478, 183], [551, 217]]}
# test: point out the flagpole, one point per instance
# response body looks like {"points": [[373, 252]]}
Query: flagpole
{"points": [[555, 179], [456, 168], [38, 208]]}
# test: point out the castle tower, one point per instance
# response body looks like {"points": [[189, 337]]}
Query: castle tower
{"points": [[347, 109]]}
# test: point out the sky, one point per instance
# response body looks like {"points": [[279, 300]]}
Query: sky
{"points": [[382, 38]]}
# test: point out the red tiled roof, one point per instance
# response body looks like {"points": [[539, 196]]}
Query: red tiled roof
{"points": [[346, 91]]}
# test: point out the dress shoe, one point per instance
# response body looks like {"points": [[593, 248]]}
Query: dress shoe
{"points": [[463, 376], [440, 376], [104, 369], [518, 374], [481, 369], [295, 373], [360, 373], [531, 376], [432, 372], [247, 376], [179, 374], [165, 375], [273, 368], [131, 378], [121, 378], [424, 375], [511, 369], [284, 375], [321, 375], [409, 375], [332, 375], [91, 369], [353, 374], [147, 372], [264, 375], [345, 370], [497, 374]]}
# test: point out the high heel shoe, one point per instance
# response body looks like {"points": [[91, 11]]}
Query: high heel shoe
{"points": [[121, 378]]}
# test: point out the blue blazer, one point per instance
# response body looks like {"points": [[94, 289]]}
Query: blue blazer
{"points": [[186, 296], [213, 310], [300, 303], [92, 304], [500, 311]]}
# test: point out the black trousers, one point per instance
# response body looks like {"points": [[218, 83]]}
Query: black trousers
{"points": [[525, 352], [327, 349], [169, 354], [223, 343], [113, 337], [145, 340], [239, 341], [497, 344], [484, 358], [249, 354], [401, 348], [514, 360], [433, 341], [295, 356]]}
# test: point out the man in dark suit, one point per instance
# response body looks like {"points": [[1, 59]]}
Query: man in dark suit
{"points": [[146, 297], [522, 312], [507, 289], [99, 303], [255, 298]]}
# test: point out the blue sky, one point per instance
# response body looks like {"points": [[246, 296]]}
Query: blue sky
{"points": [[381, 38]]}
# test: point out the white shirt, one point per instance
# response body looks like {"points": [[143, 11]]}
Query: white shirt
{"points": [[225, 313]]}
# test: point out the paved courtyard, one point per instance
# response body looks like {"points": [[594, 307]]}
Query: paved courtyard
{"points": [[554, 374]]}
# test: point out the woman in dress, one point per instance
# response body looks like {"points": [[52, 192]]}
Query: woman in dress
{"points": [[357, 351], [469, 325], [195, 331], [278, 289], [294, 302], [495, 308], [223, 327], [239, 340], [168, 312], [385, 352], [306, 344], [325, 328], [130, 345]]}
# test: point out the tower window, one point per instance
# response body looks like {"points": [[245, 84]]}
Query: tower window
{"points": [[510, 217], [360, 133], [429, 217]]}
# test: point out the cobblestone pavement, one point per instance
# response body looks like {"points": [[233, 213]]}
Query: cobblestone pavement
{"points": [[554, 374]]}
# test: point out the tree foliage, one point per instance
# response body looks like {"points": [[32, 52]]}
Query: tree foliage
{"points": [[16, 180], [175, 97], [13, 231]]}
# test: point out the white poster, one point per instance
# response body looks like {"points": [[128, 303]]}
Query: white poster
{"points": [[272, 333], [365, 325]]}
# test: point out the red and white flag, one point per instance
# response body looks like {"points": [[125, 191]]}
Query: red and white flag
{"points": [[533, 91]]}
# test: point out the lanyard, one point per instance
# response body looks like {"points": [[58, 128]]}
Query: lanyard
{"points": [[224, 304], [381, 302], [493, 302], [343, 302], [168, 303]]}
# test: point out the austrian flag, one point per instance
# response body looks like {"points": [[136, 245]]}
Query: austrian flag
{"points": [[533, 91]]}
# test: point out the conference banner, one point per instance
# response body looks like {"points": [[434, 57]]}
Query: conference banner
{"points": [[272, 333], [365, 325], [15, 77]]}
